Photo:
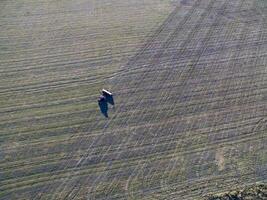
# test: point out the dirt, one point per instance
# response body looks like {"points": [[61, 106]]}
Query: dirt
{"points": [[219, 157], [189, 86], [252, 192]]}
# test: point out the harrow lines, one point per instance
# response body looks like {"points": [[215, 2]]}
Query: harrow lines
{"points": [[170, 40], [83, 31], [163, 158], [189, 71], [243, 138], [197, 25], [58, 125], [192, 189], [218, 50], [205, 130], [248, 102], [147, 115], [52, 85], [157, 156], [65, 65], [164, 45], [190, 114], [234, 90], [202, 62], [72, 26], [167, 76], [77, 100], [151, 43], [63, 61], [217, 143], [163, 140], [237, 88], [66, 52], [54, 95], [84, 50], [187, 186]]}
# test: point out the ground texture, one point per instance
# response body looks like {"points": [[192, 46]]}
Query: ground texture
{"points": [[253, 192], [190, 90]]}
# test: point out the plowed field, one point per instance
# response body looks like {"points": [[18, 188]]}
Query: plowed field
{"points": [[189, 80]]}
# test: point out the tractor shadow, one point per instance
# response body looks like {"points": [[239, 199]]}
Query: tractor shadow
{"points": [[103, 106], [110, 100]]}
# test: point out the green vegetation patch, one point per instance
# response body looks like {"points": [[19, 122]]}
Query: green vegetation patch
{"points": [[253, 192]]}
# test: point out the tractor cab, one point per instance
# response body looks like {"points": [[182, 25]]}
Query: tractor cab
{"points": [[106, 93]]}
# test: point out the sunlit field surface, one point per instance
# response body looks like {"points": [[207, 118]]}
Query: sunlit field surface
{"points": [[189, 81]]}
